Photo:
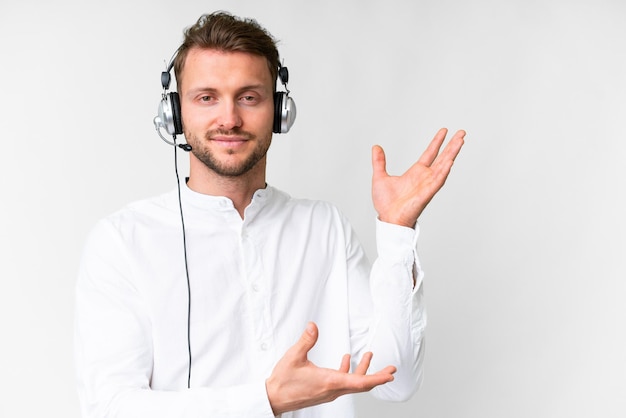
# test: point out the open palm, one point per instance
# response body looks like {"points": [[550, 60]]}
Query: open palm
{"points": [[401, 199]]}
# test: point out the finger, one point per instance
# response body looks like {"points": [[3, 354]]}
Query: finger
{"points": [[430, 153], [387, 370], [364, 364], [364, 383], [379, 162], [345, 364], [454, 146], [450, 152], [307, 341]]}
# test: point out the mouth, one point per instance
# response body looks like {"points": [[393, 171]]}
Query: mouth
{"points": [[229, 142], [229, 139]]}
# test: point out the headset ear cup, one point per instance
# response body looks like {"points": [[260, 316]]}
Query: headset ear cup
{"points": [[284, 113], [278, 110], [289, 114], [176, 114]]}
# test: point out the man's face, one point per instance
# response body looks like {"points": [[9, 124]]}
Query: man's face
{"points": [[227, 109]]}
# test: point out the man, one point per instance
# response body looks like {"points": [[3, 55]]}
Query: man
{"points": [[282, 313]]}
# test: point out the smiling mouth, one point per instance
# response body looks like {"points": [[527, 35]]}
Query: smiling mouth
{"points": [[229, 137], [229, 143]]}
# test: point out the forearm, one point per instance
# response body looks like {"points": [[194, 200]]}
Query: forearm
{"points": [[397, 330], [117, 363], [397, 338], [114, 362], [248, 400]]}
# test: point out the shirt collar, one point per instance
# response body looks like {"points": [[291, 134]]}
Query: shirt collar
{"points": [[208, 202]]}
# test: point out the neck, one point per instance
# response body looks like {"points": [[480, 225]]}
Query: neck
{"points": [[239, 189]]}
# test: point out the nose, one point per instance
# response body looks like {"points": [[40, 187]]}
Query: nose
{"points": [[229, 116]]}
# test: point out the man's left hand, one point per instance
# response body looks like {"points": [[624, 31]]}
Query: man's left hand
{"points": [[401, 199]]}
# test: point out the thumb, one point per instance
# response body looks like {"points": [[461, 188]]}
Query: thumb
{"points": [[307, 340], [379, 162]]}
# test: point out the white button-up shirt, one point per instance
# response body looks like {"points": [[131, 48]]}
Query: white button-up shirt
{"points": [[254, 285]]}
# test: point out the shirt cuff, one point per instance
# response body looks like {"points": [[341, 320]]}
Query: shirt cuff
{"points": [[396, 243]]}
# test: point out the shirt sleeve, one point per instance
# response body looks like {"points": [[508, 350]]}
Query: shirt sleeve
{"points": [[397, 320], [114, 351]]}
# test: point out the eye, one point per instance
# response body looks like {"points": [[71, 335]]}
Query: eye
{"points": [[205, 98], [249, 99]]}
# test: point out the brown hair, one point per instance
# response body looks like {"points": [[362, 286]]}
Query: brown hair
{"points": [[224, 32]]}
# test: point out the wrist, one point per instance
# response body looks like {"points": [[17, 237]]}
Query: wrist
{"points": [[409, 223], [278, 405]]}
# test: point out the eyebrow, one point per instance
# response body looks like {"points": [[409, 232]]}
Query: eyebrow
{"points": [[214, 90]]}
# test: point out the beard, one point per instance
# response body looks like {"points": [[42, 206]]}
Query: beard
{"points": [[202, 152]]}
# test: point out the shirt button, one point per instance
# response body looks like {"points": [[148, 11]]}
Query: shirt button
{"points": [[256, 287], [264, 346]]}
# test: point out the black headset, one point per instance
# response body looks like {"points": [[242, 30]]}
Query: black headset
{"points": [[169, 115]]}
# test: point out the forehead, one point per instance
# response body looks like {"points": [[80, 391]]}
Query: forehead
{"points": [[224, 69]]}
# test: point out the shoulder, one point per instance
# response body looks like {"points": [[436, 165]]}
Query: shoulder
{"points": [[316, 216], [148, 212], [319, 208]]}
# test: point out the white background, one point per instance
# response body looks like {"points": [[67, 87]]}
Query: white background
{"points": [[524, 248]]}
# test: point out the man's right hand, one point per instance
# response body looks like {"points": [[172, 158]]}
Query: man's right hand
{"points": [[297, 383]]}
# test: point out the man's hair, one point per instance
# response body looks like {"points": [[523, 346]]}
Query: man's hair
{"points": [[227, 33]]}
